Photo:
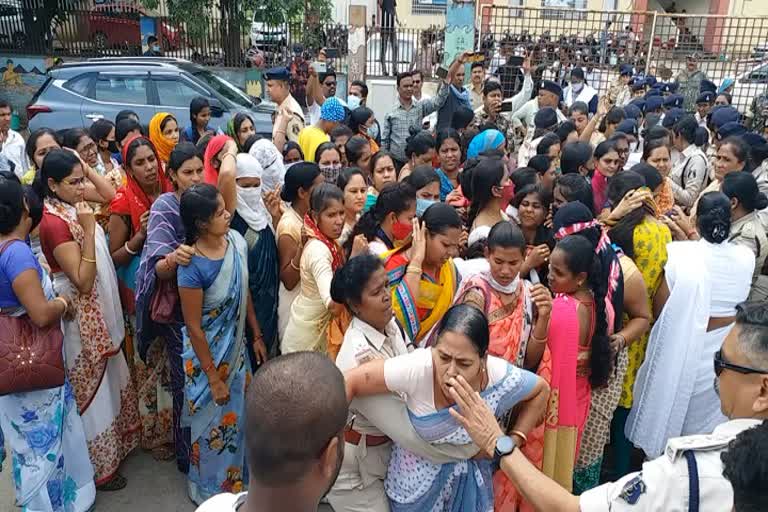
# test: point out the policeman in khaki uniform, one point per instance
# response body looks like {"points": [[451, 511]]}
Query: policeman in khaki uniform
{"points": [[689, 476], [290, 117], [379, 420]]}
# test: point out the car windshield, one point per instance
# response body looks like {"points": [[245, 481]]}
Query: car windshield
{"points": [[224, 88]]}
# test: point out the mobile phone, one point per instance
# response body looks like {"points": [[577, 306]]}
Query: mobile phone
{"points": [[516, 60], [506, 106], [319, 67], [442, 72], [332, 53]]}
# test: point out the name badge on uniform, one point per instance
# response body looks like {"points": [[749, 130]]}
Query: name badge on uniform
{"points": [[633, 490], [364, 356]]}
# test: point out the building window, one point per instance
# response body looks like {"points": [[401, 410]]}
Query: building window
{"points": [[428, 6], [563, 9]]}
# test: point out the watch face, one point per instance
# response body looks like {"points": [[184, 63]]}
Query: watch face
{"points": [[505, 445]]}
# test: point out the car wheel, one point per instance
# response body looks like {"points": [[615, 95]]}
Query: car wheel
{"points": [[100, 41], [19, 40]]}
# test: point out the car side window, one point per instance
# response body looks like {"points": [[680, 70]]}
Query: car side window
{"points": [[176, 93], [79, 84], [130, 90]]}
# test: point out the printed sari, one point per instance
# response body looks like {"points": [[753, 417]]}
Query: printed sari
{"points": [[218, 446], [96, 367], [165, 232], [48, 446], [510, 327], [150, 370], [418, 317], [414, 484], [570, 395]]}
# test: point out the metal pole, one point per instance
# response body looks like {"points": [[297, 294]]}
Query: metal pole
{"points": [[650, 44]]}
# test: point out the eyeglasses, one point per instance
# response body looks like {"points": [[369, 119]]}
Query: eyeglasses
{"points": [[721, 364], [75, 182]]}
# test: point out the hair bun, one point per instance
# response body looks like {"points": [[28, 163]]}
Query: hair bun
{"points": [[761, 201]]}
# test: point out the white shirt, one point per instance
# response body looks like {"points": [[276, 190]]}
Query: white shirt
{"points": [[223, 502], [663, 484], [13, 150], [412, 376], [313, 111]]}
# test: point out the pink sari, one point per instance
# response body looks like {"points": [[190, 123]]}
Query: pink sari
{"points": [[570, 396]]}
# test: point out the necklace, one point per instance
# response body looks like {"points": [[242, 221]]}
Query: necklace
{"points": [[197, 247]]}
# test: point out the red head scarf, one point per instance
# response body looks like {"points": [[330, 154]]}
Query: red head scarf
{"points": [[130, 199], [216, 144]]}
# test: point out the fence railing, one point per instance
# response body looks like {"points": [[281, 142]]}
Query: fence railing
{"points": [[654, 42]]}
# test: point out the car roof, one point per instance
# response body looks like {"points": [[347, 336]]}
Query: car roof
{"points": [[124, 64]]}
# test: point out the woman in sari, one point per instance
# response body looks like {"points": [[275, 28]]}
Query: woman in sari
{"points": [[199, 117], [422, 275], [626, 292], [532, 204], [216, 306], [164, 251], [518, 319], [164, 134], [696, 302], [40, 142], [424, 378], [419, 150], [352, 182], [360, 121], [220, 168], [77, 252], [485, 182], [426, 183], [606, 166], [127, 231], [239, 128], [448, 146], [644, 240], [580, 348], [389, 223], [300, 181], [330, 160], [256, 223], [656, 153], [44, 431], [313, 309]]}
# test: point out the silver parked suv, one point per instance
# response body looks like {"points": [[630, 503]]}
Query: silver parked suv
{"points": [[76, 94]]}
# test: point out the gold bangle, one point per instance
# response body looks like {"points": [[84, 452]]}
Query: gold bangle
{"points": [[413, 270], [538, 340], [520, 434], [87, 260], [294, 267]]}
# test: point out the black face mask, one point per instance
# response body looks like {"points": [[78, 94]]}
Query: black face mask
{"points": [[112, 147]]}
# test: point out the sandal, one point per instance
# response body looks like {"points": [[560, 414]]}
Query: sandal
{"points": [[115, 483], [163, 453]]}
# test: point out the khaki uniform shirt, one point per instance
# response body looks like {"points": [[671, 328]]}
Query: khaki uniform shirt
{"points": [[295, 124], [664, 486]]}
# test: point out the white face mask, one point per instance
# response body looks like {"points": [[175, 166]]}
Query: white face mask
{"points": [[353, 102], [578, 86], [508, 289]]}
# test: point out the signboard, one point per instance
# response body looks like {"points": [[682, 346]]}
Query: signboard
{"points": [[459, 30]]}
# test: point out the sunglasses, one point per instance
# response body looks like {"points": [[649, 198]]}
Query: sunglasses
{"points": [[721, 364]]}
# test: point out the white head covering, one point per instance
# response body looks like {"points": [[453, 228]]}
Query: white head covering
{"points": [[250, 205], [271, 161]]}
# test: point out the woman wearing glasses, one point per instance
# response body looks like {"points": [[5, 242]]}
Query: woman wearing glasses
{"points": [[704, 281]]}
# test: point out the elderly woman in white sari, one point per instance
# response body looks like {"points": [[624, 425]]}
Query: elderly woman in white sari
{"points": [[424, 378], [704, 281]]}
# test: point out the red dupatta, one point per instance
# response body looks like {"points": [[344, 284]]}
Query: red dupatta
{"points": [[337, 257], [215, 145], [130, 199]]}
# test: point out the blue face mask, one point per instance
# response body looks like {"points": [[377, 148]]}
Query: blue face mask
{"points": [[353, 102], [422, 205]]}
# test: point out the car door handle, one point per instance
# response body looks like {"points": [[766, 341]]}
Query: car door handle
{"points": [[94, 117]]}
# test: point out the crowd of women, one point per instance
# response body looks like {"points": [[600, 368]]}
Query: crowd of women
{"points": [[580, 295]]}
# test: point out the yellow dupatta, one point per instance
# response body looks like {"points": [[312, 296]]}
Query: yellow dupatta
{"points": [[418, 317]]}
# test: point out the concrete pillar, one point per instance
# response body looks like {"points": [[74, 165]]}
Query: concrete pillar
{"points": [[713, 37], [356, 53]]}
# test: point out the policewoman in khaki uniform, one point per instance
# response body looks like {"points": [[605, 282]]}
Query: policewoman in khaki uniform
{"points": [[362, 286], [689, 476]]}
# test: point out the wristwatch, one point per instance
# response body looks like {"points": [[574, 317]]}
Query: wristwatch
{"points": [[504, 446]]}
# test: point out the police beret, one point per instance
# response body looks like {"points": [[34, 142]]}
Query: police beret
{"points": [[674, 101], [626, 69], [672, 117], [632, 111], [639, 103], [653, 92], [279, 73], [730, 129], [707, 86], [628, 126], [545, 118], [706, 97], [550, 86], [653, 103], [639, 86], [650, 80], [754, 139], [724, 114]]}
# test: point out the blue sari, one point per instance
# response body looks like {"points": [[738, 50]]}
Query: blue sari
{"points": [[51, 468], [218, 446], [446, 187], [414, 484]]}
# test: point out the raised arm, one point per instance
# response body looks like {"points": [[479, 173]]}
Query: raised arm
{"points": [[433, 104], [227, 173], [80, 265]]}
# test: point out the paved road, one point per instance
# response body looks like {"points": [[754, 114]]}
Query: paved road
{"points": [[152, 486]]}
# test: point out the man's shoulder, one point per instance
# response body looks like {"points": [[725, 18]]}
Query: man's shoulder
{"points": [[224, 502]]}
